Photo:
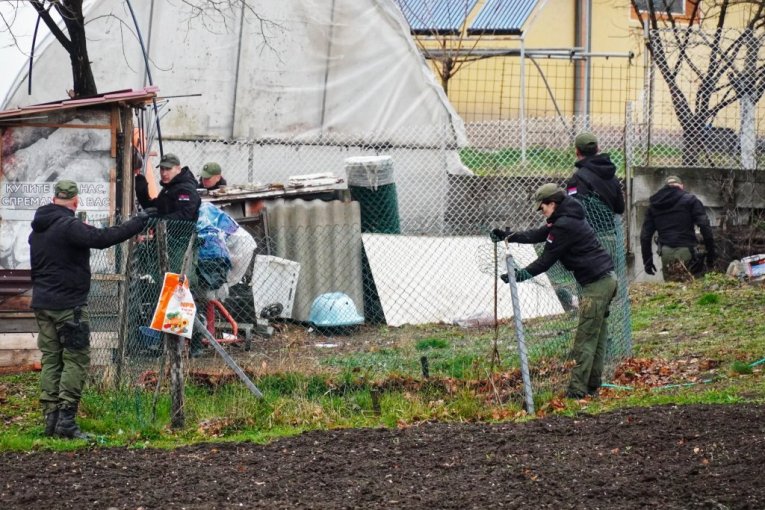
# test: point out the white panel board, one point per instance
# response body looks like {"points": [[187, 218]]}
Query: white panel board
{"points": [[424, 280]]}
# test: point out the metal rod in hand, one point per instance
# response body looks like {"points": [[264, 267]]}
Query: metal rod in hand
{"points": [[519, 331], [227, 358]]}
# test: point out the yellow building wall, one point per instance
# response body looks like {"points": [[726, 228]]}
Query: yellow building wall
{"points": [[489, 89]]}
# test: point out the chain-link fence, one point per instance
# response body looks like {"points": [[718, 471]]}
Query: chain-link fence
{"points": [[392, 274], [705, 91]]}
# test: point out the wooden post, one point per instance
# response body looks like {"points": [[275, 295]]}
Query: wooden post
{"points": [[173, 343], [125, 319]]}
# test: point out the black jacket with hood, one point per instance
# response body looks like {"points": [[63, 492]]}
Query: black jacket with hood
{"points": [[59, 247], [570, 239], [178, 199], [596, 176], [673, 212]]}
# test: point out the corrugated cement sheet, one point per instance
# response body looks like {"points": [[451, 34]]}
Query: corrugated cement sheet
{"points": [[324, 237]]}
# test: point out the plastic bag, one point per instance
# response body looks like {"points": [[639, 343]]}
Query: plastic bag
{"points": [[176, 308]]}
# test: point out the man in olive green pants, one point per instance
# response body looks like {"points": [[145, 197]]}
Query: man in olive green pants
{"points": [[59, 249], [591, 338], [63, 369]]}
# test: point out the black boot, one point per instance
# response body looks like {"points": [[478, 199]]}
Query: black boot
{"points": [[66, 426], [51, 419]]}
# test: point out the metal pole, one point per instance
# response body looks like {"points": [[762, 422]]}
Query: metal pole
{"points": [[522, 98], [528, 392]]}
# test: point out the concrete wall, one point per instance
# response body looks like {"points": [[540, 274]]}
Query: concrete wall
{"points": [[715, 187]]}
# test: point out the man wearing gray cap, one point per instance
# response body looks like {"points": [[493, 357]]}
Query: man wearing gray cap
{"points": [[59, 247], [568, 238], [673, 213], [211, 178]]}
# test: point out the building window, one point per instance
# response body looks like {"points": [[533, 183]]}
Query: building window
{"points": [[681, 9], [660, 6]]}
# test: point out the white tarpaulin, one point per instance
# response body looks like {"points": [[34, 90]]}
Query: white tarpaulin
{"points": [[334, 70], [424, 280]]}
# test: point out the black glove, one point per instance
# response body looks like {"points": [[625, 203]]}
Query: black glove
{"points": [[499, 234], [153, 212], [649, 267]]}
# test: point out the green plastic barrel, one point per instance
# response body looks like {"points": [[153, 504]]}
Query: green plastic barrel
{"points": [[371, 184]]}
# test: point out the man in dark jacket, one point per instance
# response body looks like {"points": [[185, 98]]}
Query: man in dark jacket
{"points": [[595, 179], [673, 212], [59, 248], [178, 199], [568, 238], [211, 178]]}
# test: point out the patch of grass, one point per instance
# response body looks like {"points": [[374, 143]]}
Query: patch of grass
{"points": [[710, 298], [431, 343], [510, 161], [713, 322], [740, 367]]}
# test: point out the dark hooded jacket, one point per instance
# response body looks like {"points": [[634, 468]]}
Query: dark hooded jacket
{"points": [[673, 212], [596, 177], [178, 199], [569, 239], [59, 247]]}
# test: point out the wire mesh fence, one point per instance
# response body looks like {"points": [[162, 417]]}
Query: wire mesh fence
{"points": [[705, 105], [390, 276]]}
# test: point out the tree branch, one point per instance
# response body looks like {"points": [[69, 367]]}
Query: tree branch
{"points": [[52, 25]]}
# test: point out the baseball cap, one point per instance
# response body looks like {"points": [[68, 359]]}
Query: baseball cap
{"points": [[544, 192], [585, 141], [169, 161], [65, 189], [673, 179], [210, 169]]}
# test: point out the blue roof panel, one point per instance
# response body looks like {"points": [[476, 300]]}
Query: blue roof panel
{"points": [[439, 16], [502, 17]]}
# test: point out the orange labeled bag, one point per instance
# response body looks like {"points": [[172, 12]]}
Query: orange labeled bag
{"points": [[176, 308]]}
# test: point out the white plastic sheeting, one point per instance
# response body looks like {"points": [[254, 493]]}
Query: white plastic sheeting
{"points": [[423, 280], [338, 71]]}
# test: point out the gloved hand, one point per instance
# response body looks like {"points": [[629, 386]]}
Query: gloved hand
{"points": [[143, 216], [499, 234], [649, 267], [521, 275]]}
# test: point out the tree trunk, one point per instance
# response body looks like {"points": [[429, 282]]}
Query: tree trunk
{"points": [[693, 141], [84, 84]]}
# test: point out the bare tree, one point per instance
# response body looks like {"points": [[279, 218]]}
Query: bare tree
{"points": [[448, 48], [66, 21], [730, 72]]}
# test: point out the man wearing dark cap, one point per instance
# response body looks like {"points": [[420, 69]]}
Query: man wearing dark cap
{"points": [[59, 247], [595, 180], [178, 199], [568, 238], [674, 213], [211, 177]]}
